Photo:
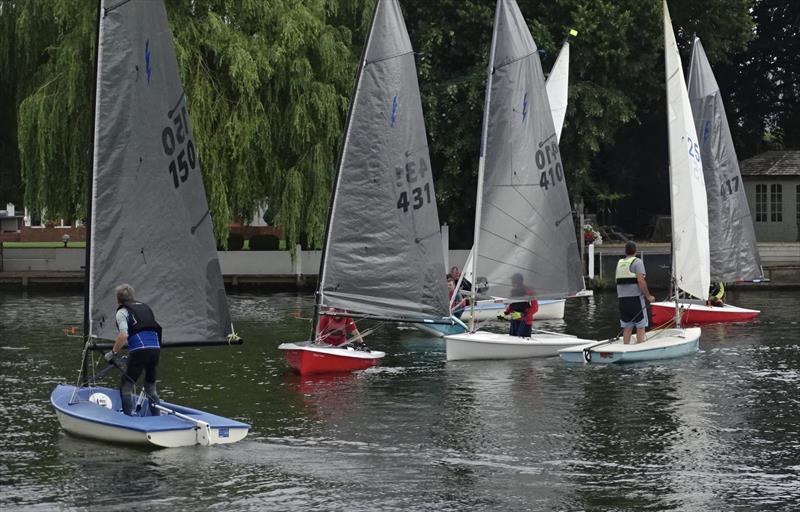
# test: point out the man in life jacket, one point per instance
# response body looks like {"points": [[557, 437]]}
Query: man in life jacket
{"points": [[716, 294], [631, 292], [333, 330], [138, 330], [520, 313]]}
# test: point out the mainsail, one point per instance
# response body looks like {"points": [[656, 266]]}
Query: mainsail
{"points": [[523, 217], [383, 253], [687, 187], [150, 222], [557, 86], [734, 252]]}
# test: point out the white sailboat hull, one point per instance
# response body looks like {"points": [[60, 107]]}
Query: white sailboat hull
{"points": [[489, 309], [486, 345], [166, 439], [660, 344]]}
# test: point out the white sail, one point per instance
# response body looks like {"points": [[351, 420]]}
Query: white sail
{"points": [[557, 86], [691, 264]]}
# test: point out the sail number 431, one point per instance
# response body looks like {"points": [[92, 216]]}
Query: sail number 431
{"points": [[419, 195]]}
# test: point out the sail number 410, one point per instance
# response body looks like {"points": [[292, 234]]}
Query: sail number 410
{"points": [[550, 166]]}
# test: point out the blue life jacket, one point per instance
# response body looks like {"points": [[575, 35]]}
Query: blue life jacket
{"points": [[143, 330]]}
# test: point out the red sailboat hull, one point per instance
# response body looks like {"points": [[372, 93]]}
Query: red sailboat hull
{"points": [[315, 359], [697, 313]]}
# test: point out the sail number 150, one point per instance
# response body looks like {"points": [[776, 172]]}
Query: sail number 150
{"points": [[186, 158]]}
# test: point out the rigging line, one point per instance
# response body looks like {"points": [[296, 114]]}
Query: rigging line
{"points": [[512, 61], [421, 239], [541, 144], [548, 202], [109, 9], [673, 74], [368, 62], [557, 265], [178, 104], [524, 226], [194, 228], [511, 265], [539, 238]]}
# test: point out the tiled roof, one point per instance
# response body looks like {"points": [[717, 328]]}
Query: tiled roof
{"points": [[772, 163]]}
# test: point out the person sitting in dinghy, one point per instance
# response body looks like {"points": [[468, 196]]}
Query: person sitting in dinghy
{"points": [[141, 333], [333, 330], [459, 303], [716, 294], [520, 313], [455, 272]]}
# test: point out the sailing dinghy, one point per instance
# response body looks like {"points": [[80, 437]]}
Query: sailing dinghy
{"points": [[523, 216], [557, 86], [734, 252], [383, 221], [149, 226], [690, 255]]}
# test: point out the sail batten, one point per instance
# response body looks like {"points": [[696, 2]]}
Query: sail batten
{"points": [[383, 256], [522, 172], [734, 251], [687, 185], [151, 225]]}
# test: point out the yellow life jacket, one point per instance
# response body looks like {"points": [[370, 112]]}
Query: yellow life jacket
{"points": [[720, 292], [624, 274]]}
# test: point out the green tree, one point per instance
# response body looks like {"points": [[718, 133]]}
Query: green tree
{"points": [[616, 99], [10, 186], [268, 85], [761, 84]]}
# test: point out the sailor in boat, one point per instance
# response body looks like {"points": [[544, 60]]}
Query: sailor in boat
{"points": [[459, 303], [455, 272], [716, 294], [141, 333], [333, 330], [520, 313], [631, 292]]}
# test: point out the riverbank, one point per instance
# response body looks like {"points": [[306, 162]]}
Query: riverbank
{"points": [[56, 267]]}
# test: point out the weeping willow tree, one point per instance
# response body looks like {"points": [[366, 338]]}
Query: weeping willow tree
{"points": [[55, 45], [267, 82]]}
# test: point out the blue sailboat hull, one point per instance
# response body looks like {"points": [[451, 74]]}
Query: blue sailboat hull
{"points": [[81, 417]]}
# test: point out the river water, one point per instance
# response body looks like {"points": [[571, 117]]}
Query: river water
{"points": [[718, 430]]}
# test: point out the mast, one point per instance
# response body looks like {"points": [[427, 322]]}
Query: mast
{"points": [[337, 177], [677, 317], [482, 160], [89, 201]]}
